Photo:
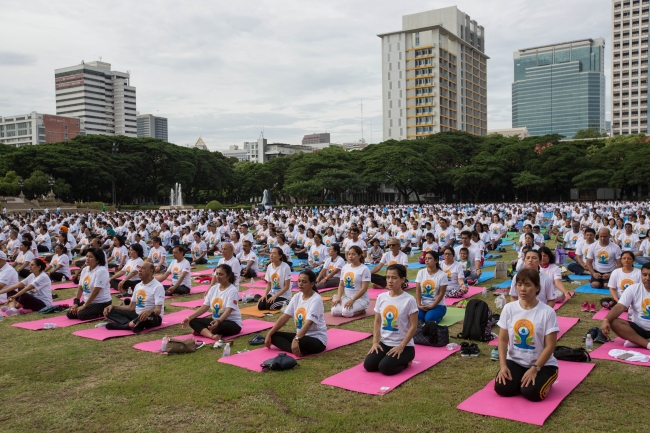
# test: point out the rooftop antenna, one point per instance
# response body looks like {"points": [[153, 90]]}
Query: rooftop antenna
{"points": [[370, 131], [362, 120], [100, 58]]}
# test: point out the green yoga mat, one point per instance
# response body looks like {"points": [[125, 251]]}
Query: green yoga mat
{"points": [[454, 315]]}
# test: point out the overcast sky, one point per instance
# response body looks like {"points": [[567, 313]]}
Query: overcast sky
{"points": [[226, 70]]}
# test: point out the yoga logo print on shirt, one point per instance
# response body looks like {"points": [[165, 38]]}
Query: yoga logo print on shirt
{"points": [[524, 331], [155, 257], [217, 305], [348, 280], [428, 288], [197, 252], [328, 243], [627, 243], [175, 273], [85, 285], [316, 257], [443, 238], [603, 257], [275, 282], [331, 269], [300, 317], [645, 309], [54, 263], [626, 283], [448, 272], [140, 298], [389, 318]]}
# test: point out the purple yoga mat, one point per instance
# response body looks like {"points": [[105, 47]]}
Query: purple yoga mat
{"points": [[603, 312], [253, 359], [565, 324], [194, 290], [471, 291], [336, 321], [59, 321], [64, 286], [487, 402], [359, 380], [603, 352], [102, 334], [249, 326]]}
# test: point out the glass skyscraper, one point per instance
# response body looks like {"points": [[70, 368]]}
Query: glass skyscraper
{"points": [[560, 88]]}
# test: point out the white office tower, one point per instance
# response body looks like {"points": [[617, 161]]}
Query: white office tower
{"points": [[104, 99], [434, 75]]}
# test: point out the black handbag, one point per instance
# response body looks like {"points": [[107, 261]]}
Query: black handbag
{"points": [[431, 334], [564, 353], [279, 363]]}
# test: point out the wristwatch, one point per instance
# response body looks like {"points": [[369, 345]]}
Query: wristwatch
{"points": [[537, 367], [296, 338]]}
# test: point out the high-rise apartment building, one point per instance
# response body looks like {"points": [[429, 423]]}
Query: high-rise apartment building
{"points": [[152, 126], [105, 99], [322, 139], [434, 75], [560, 88], [630, 67], [39, 128]]}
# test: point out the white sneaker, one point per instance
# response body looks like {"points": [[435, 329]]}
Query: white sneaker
{"points": [[630, 345]]}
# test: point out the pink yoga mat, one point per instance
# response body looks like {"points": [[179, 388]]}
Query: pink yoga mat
{"points": [[471, 291], [258, 283], [204, 272], [603, 352], [102, 334], [603, 312], [487, 402], [59, 321], [64, 286], [74, 268], [252, 360], [565, 324], [249, 326], [336, 321], [373, 293], [65, 301], [194, 290], [359, 380]]}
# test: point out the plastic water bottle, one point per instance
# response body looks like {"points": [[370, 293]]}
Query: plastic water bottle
{"points": [[452, 346], [101, 325], [226, 350], [484, 292], [252, 281], [589, 343], [163, 346], [50, 325], [63, 280], [130, 291]]}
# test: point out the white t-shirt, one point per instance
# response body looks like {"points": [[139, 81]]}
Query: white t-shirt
{"points": [[473, 256], [604, 258], [331, 266], [350, 243], [582, 248], [444, 235], [317, 254], [430, 285], [278, 277], [628, 242], [24, 258], [496, 230], [148, 296], [245, 258], [637, 298], [552, 271], [218, 300], [311, 309], [429, 246], [158, 255], [395, 317], [645, 247], [546, 291], [453, 271], [133, 265], [9, 277], [98, 277], [353, 279], [118, 253], [389, 259], [198, 249], [234, 265], [571, 239], [176, 269], [526, 332], [620, 281], [64, 261], [42, 287]]}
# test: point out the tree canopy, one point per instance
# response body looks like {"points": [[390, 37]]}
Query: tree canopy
{"points": [[448, 165]]}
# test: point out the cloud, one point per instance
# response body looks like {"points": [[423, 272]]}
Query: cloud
{"points": [[225, 70]]}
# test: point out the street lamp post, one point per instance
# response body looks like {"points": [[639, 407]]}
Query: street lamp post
{"points": [[21, 183], [51, 181]]}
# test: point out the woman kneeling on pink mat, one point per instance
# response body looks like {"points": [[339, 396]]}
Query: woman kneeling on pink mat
{"points": [[526, 342]]}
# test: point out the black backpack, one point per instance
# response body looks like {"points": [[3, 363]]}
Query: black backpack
{"points": [[431, 334], [477, 324], [279, 363], [564, 353]]}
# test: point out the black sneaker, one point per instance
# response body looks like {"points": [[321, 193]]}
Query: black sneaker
{"points": [[600, 337], [473, 350], [257, 340], [464, 349]]}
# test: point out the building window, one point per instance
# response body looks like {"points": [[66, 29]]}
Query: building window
{"points": [[417, 39]]}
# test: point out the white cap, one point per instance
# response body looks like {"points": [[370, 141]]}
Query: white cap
{"points": [[3, 256]]}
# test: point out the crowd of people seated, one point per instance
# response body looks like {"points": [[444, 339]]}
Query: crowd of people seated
{"points": [[347, 248]]}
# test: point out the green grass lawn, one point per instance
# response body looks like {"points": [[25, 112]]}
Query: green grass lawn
{"points": [[56, 382]]}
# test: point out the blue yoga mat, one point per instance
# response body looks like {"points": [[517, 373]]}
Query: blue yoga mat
{"points": [[637, 265], [507, 243], [504, 285], [586, 288], [579, 277], [488, 263], [485, 276], [417, 265], [493, 256]]}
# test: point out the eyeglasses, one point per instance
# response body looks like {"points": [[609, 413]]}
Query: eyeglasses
{"points": [[393, 245]]}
